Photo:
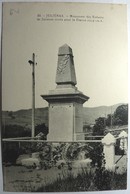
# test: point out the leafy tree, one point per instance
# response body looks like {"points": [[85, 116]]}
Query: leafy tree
{"points": [[121, 115], [98, 128], [109, 120]]}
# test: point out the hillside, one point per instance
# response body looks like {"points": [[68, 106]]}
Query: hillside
{"points": [[23, 117], [92, 113]]}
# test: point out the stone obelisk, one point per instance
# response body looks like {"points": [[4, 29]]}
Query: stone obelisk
{"points": [[66, 101]]}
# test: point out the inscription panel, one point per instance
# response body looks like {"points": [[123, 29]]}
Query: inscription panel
{"points": [[60, 122]]}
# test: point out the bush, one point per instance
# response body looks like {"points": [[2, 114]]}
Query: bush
{"points": [[96, 155], [10, 152], [9, 131]]}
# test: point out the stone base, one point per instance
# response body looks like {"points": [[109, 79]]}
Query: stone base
{"points": [[61, 122], [65, 113]]}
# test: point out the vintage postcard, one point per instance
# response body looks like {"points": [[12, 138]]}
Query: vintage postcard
{"points": [[64, 97]]}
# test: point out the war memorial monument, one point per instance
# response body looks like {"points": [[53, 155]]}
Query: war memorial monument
{"points": [[66, 101]]}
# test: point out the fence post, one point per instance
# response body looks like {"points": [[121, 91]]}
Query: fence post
{"points": [[109, 151], [123, 141]]}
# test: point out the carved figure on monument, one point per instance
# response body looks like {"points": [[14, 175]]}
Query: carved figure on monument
{"points": [[65, 67]]}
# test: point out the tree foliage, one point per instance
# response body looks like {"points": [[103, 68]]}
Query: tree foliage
{"points": [[96, 155], [109, 120], [121, 115], [9, 131], [98, 128]]}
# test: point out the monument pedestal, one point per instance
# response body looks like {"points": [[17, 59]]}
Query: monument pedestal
{"points": [[65, 115], [66, 101]]}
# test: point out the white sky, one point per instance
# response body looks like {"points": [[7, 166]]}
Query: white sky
{"points": [[100, 53]]}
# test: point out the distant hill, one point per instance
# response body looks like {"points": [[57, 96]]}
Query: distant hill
{"points": [[92, 113], [23, 117]]}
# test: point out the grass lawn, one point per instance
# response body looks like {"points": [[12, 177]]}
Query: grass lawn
{"points": [[21, 179]]}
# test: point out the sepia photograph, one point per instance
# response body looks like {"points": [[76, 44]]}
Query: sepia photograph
{"points": [[64, 125]]}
